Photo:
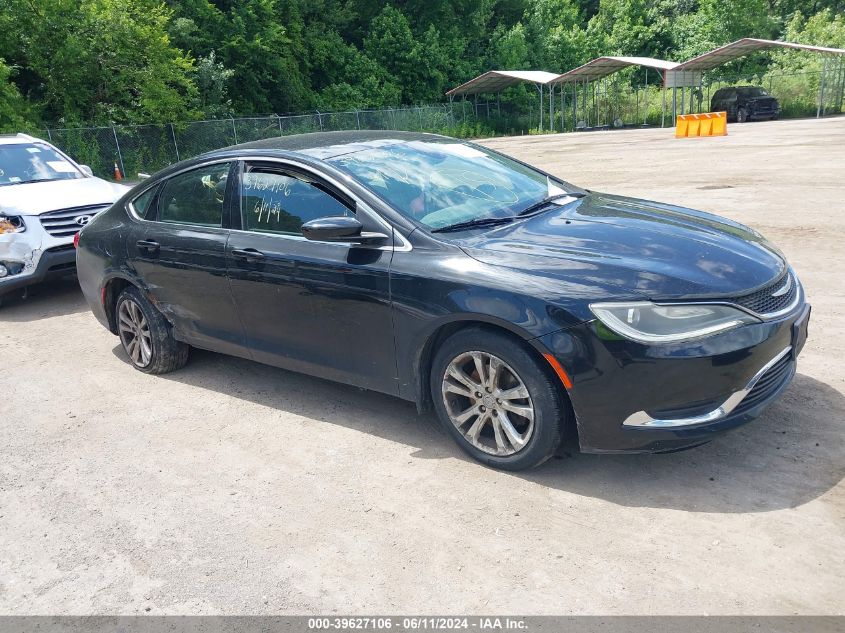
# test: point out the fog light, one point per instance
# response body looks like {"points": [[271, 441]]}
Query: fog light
{"points": [[3, 271]]}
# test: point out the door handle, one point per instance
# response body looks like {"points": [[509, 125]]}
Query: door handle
{"points": [[248, 254], [148, 245]]}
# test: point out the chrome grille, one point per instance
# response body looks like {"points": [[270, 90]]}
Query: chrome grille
{"points": [[772, 298], [65, 223]]}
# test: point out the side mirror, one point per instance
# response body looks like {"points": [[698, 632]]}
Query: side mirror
{"points": [[86, 170], [340, 229]]}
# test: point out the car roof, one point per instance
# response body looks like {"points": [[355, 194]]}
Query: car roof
{"points": [[738, 88], [17, 139], [325, 145]]}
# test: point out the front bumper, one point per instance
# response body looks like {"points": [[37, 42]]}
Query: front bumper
{"points": [[630, 397], [34, 255], [54, 262]]}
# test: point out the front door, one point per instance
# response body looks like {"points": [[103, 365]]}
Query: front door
{"points": [[316, 307], [179, 252]]}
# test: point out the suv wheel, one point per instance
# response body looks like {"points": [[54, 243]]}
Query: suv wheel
{"points": [[741, 115], [496, 400], [146, 335]]}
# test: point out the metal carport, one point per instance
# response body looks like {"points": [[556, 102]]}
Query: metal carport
{"points": [[688, 74], [494, 81], [599, 68]]}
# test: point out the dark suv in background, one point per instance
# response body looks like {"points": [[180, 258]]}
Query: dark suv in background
{"points": [[744, 103]]}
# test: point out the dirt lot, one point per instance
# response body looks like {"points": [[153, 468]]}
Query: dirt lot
{"points": [[231, 487]]}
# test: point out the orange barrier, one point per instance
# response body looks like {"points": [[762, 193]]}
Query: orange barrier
{"points": [[707, 124]]}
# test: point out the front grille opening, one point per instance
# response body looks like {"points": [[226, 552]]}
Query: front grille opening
{"points": [[67, 222], [768, 384], [764, 302]]}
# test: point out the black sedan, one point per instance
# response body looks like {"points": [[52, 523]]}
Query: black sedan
{"points": [[516, 305]]}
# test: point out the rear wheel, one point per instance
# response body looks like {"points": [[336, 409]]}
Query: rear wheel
{"points": [[146, 335], [496, 400], [741, 115]]}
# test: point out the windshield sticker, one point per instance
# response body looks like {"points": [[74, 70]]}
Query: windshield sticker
{"points": [[61, 166], [14, 179], [33, 150]]}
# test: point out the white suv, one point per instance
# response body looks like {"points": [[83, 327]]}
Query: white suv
{"points": [[45, 200]]}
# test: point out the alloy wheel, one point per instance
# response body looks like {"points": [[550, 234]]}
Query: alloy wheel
{"points": [[488, 403], [135, 333]]}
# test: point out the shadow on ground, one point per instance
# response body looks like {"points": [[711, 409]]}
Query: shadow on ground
{"points": [[53, 298], [791, 455]]}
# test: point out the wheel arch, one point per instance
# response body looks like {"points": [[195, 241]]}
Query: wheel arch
{"points": [[443, 331], [111, 290]]}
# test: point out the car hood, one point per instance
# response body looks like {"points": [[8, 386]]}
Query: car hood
{"points": [[642, 248], [761, 100], [41, 197]]}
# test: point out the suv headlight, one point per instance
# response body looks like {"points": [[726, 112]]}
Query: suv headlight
{"points": [[647, 322], [11, 224]]}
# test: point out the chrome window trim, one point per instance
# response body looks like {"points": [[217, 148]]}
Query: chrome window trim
{"points": [[644, 420], [404, 245]]}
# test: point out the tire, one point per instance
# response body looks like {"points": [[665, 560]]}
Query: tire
{"points": [[741, 115], [520, 441], [146, 336]]}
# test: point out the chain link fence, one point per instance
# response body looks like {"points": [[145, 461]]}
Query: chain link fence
{"points": [[135, 149], [614, 102]]}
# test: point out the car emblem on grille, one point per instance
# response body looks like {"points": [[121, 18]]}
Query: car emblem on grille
{"points": [[783, 289], [82, 220]]}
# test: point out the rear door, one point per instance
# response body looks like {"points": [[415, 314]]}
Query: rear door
{"points": [[317, 307], [178, 249]]}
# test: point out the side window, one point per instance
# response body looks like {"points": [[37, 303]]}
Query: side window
{"points": [[141, 204], [195, 197], [276, 202]]}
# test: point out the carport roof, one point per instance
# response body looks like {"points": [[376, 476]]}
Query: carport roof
{"points": [[743, 47], [604, 66], [498, 80]]}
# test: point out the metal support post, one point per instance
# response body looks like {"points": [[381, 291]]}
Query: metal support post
{"points": [[820, 108], [175, 146], [119, 154]]}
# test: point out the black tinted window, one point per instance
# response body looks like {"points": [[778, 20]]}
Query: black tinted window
{"points": [[195, 197], [275, 202], [141, 204]]}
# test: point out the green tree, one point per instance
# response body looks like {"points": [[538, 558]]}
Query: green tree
{"points": [[14, 111], [101, 60]]}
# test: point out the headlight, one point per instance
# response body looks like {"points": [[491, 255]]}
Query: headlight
{"points": [[650, 323], [11, 224]]}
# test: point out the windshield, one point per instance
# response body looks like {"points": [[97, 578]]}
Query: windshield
{"points": [[753, 92], [442, 184], [33, 162]]}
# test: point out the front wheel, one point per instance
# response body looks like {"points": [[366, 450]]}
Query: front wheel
{"points": [[146, 335], [497, 401], [741, 115]]}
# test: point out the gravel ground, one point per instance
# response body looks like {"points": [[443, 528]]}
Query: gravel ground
{"points": [[231, 487]]}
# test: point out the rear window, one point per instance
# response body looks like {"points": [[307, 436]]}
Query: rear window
{"points": [[752, 92]]}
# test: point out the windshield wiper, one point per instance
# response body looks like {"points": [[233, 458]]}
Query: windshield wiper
{"points": [[26, 182], [547, 200], [472, 224], [481, 222]]}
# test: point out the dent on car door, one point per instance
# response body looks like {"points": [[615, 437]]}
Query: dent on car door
{"points": [[317, 307], [179, 252]]}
